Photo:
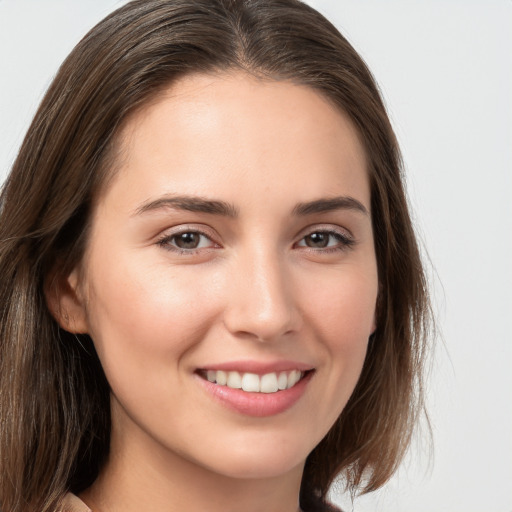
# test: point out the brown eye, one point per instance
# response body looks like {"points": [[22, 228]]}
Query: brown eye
{"points": [[317, 240], [189, 240], [186, 242], [328, 240]]}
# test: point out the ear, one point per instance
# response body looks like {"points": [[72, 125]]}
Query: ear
{"points": [[66, 301]]}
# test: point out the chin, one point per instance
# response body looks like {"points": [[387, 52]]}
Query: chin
{"points": [[259, 469], [257, 459]]}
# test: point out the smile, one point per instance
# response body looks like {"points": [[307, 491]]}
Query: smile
{"points": [[254, 383], [254, 393]]}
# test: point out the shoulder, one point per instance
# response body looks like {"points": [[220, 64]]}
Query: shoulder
{"points": [[72, 503]]}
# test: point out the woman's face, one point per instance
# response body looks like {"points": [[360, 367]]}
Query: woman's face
{"points": [[233, 247]]}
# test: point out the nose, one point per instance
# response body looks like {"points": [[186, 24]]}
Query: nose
{"points": [[262, 304]]}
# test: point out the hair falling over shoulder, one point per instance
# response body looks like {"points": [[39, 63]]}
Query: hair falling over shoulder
{"points": [[54, 397]]}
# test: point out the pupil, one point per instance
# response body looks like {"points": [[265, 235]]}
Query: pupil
{"points": [[187, 240], [317, 240]]}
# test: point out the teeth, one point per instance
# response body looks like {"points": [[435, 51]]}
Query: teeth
{"points": [[282, 381], [269, 383], [293, 378], [234, 380], [253, 383], [222, 378]]}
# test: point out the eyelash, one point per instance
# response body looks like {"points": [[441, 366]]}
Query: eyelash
{"points": [[345, 242], [167, 242]]}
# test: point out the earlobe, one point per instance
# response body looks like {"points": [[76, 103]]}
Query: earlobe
{"points": [[374, 325], [66, 302]]}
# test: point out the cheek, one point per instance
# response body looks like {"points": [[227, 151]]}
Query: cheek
{"points": [[147, 312], [342, 307], [342, 313]]}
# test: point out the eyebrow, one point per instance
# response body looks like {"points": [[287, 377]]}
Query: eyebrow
{"points": [[190, 204], [222, 208], [330, 204]]}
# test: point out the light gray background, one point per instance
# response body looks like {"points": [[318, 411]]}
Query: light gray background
{"points": [[445, 69]]}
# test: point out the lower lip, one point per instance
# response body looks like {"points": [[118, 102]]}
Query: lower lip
{"points": [[257, 404]]}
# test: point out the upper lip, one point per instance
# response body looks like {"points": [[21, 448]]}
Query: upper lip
{"points": [[258, 367]]}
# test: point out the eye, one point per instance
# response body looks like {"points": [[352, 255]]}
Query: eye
{"points": [[325, 239], [186, 241]]}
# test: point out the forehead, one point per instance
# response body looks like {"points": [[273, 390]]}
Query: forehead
{"points": [[208, 128]]}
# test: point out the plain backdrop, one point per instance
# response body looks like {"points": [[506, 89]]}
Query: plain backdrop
{"points": [[445, 70]]}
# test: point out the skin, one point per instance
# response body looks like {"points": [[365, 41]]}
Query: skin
{"points": [[257, 288]]}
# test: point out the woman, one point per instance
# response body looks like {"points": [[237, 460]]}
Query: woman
{"points": [[211, 292]]}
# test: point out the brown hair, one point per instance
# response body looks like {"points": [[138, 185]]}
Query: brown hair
{"points": [[54, 398]]}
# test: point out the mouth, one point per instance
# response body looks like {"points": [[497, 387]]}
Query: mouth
{"points": [[257, 389], [272, 382]]}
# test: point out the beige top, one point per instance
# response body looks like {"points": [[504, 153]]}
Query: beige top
{"points": [[72, 503]]}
